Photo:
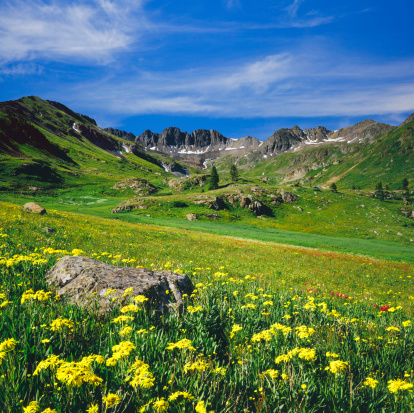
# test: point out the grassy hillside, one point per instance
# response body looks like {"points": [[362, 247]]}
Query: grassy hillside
{"points": [[46, 145], [274, 328], [389, 158]]}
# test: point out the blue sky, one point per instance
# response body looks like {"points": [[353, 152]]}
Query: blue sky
{"points": [[238, 66]]}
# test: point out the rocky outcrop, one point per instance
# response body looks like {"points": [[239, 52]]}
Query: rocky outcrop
{"points": [[131, 204], [192, 217], [196, 181], [34, 208], [317, 134], [81, 280], [139, 186], [212, 202], [121, 134], [283, 140], [249, 202]]}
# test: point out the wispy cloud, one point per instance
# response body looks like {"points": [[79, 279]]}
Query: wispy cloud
{"points": [[292, 9], [282, 85], [65, 30], [21, 69], [233, 4]]}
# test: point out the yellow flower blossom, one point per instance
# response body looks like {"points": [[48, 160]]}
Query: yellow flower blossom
{"points": [[370, 382], [394, 386], [160, 405], [336, 366], [111, 399]]}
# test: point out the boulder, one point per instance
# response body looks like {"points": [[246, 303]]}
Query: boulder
{"points": [[213, 216], [138, 185], [34, 208], [49, 230], [77, 278], [191, 217], [212, 202]]}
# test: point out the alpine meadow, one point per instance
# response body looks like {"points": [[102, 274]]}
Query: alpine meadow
{"points": [[228, 224]]}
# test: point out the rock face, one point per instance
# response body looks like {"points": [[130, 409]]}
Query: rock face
{"points": [[191, 217], [121, 134], [34, 208], [138, 185], [197, 147], [77, 278]]}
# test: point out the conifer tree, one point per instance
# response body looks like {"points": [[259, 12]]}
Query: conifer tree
{"points": [[379, 192], [234, 173], [404, 185], [334, 188], [214, 178]]}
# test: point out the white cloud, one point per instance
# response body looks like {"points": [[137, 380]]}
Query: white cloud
{"points": [[21, 69], [64, 30], [283, 85]]}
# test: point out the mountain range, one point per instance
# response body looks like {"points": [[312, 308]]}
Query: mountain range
{"points": [[46, 143]]}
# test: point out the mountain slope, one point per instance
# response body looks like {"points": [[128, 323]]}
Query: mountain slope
{"points": [[45, 144]]}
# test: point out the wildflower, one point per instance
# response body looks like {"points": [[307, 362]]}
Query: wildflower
{"points": [[370, 382], [265, 335], [304, 332], [393, 329], [328, 354], [8, 345], [304, 386], [111, 399], [49, 410], [200, 365], [125, 331], [59, 323], [268, 303], [160, 405], [122, 318], [140, 299], [46, 340], [177, 394], [271, 373], [235, 329], [109, 291], [248, 306], [307, 354], [200, 408], [282, 358], [130, 308], [285, 376], [192, 309], [336, 366], [406, 323], [33, 407], [181, 344], [219, 370], [93, 408], [394, 386]]}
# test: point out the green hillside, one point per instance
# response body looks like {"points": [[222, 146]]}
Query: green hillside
{"points": [[390, 159], [46, 145]]}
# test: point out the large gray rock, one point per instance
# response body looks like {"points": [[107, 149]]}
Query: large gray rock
{"points": [[34, 208], [77, 278]]}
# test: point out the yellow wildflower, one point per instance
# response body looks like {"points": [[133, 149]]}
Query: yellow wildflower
{"points": [[160, 405], [370, 382], [394, 386], [111, 399]]}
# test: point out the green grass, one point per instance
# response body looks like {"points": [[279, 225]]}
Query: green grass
{"points": [[252, 301]]}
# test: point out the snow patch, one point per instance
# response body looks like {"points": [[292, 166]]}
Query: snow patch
{"points": [[126, 149], [74, 128]]}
